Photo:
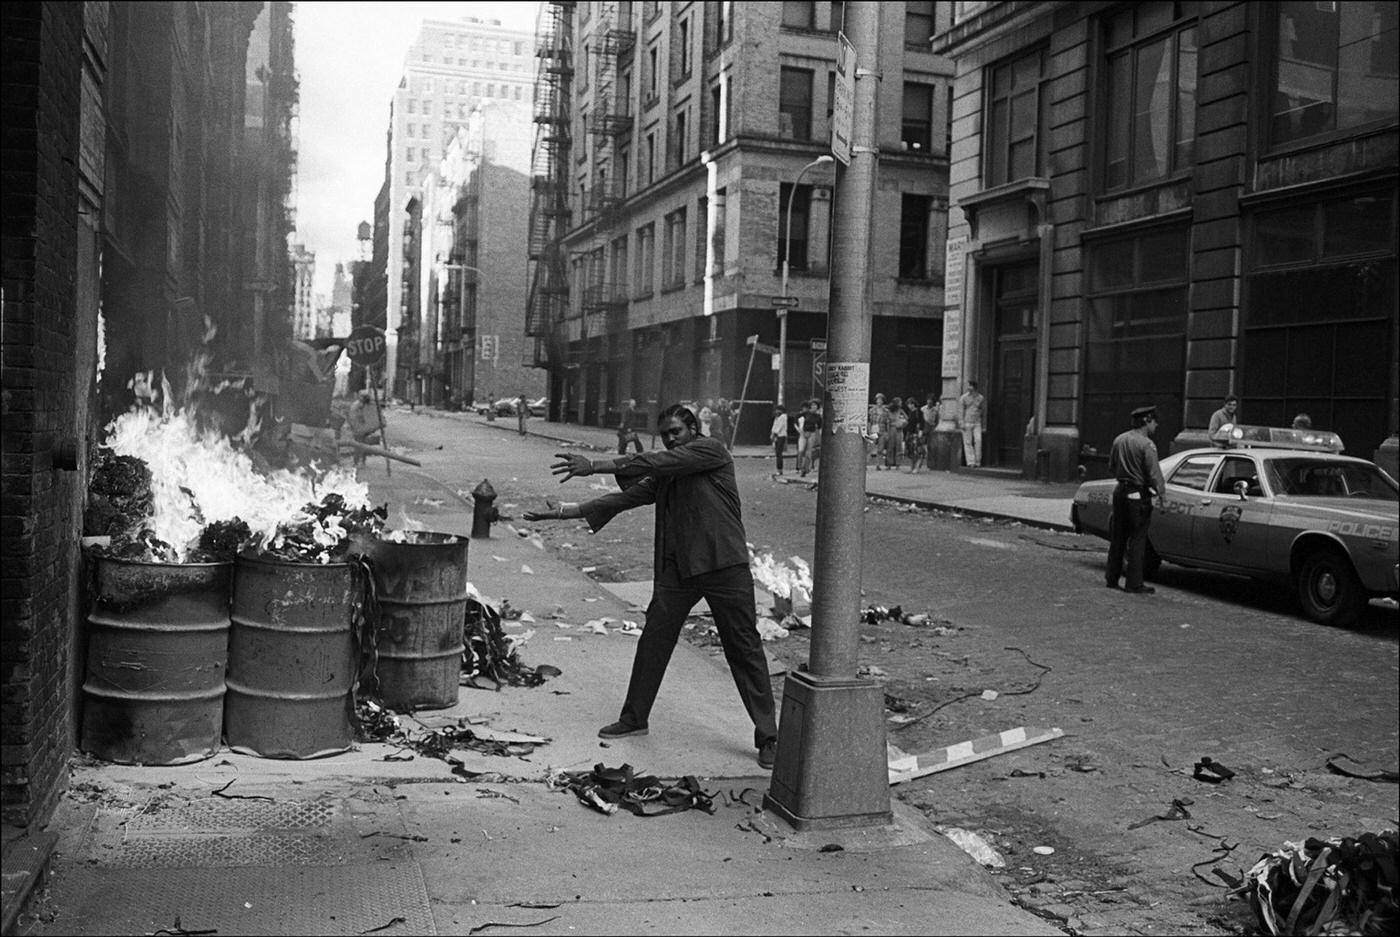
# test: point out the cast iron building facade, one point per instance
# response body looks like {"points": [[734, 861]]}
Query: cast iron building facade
{"points": [[689, 126], [1165, 202], [451, 67]]}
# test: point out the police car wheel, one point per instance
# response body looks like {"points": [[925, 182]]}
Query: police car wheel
{"points": [[1328, 589]]}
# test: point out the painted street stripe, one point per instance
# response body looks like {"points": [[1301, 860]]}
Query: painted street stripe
{"points": [[906, 767]]}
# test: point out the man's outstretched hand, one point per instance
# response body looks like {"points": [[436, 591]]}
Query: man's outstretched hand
{"points": [[571, 465], [553, 511]]}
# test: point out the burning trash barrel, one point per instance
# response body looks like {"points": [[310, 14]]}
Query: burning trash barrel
{"points": [[157, 648], [421, 584], [291, 662]]}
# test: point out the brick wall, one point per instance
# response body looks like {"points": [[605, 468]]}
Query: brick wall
{"points": [[42, 73]]}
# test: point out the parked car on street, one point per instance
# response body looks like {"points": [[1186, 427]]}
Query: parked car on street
{"points": [[1275, 504], [506, 407]]}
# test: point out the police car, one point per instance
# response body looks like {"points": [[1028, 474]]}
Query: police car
{"points": [[1276, 504]]}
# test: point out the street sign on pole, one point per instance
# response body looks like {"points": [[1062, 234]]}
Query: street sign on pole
{"points": [[365, 346], [784, 302], [818, 362], [842, 111]]}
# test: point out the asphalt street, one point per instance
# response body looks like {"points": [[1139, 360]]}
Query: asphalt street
{"points": [[1212, 665]]}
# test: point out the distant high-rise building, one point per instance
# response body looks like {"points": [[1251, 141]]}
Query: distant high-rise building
{"points": [[451, 67], [303, 298]]}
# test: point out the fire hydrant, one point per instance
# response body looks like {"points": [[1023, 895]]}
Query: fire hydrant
{"points": [[484, 511]]}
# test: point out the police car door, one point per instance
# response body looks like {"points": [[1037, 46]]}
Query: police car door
{"points": [[1229, 532], [1170, 532]]}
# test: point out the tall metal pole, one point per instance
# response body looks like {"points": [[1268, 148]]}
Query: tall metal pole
{"points": [[831, 768], [787, 255]]}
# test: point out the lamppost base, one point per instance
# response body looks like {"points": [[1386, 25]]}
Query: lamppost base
{"points": [[831, 770]]}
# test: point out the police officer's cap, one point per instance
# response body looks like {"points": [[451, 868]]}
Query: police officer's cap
{"points": [[1142, 413]]}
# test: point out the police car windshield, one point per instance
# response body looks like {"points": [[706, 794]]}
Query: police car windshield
{"points": [[1317, 478]]}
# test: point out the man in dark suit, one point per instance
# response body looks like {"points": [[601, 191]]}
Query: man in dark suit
{"points": [[700, 552]]}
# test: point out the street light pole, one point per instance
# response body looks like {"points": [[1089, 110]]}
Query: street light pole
{"points": [[787, 251]]}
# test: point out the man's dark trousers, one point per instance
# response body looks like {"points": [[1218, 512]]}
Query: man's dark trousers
{"points": [[729, 593], [1128, 534]]}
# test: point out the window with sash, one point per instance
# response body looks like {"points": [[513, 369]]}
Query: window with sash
{"points": [[1149, 92], [1017, 129]]}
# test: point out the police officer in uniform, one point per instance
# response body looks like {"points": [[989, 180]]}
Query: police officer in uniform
{"points": [[1133, 461]]}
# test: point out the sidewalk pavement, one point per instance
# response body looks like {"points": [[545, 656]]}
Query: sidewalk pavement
{"points": [[996, 493], [361, 842]]}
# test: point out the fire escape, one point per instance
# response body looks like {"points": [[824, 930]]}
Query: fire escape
{"points": [[548, 302], [605, 294]]}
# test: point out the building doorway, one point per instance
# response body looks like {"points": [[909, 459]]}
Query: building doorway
{"points": [[1011, 398]]}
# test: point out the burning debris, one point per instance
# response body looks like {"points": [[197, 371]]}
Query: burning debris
{"points": [[164, 479], [790, 579], [324, 532]]}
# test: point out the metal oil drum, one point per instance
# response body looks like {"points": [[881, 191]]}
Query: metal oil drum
{"points": [[291, 659], [421, 586], [153, 693]]}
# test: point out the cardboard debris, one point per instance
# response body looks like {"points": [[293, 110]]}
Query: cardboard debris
{"points": [[905, 767]]}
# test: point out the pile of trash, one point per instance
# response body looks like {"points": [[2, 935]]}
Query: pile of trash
{"points": [[606, 789], [1332, 886], [376, 723], [790, 579], [492, 654]]}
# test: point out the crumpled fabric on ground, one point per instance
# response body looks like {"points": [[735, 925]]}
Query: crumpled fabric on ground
{"points": [[606, 789], [1332, 886]]}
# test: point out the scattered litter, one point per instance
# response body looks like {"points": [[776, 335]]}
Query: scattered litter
{"points": [[537, 541], [630, 627], [591, 598], [1043, 850], [596, 625], [1043, 670], [430, 502], [1326, 886], [974, 845], [1390, 777], [989, 695], [558, 612], [1212, 772], [481, 927], [908, 767], [526, 618], [769, 630], [1184, 625], [178, 931], [606, 789], [870, 670], [832, 847], [526, 570], [1178, 811], [563, 637], [499, 559], [589, 569]]}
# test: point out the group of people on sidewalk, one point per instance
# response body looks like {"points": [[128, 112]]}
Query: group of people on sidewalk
{"points": [[898, 429]]}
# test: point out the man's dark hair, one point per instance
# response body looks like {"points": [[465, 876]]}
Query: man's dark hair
{"points": [[1234, 397], [682, 412]]}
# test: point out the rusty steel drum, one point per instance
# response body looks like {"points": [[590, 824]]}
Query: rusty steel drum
{"points": [[153, 693], [291, 659], [422, 596]]}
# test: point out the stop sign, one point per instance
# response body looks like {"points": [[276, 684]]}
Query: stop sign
{"points": [[366, 346]]}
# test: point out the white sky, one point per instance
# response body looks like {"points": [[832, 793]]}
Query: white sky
{"points": [[350, 56]]}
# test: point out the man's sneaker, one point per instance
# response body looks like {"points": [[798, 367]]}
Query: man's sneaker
{"points": [[767, 754], [620, 730], [1141, 590]]}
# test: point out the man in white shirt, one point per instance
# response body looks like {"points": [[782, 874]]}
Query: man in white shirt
{"points": [[972, 420]]}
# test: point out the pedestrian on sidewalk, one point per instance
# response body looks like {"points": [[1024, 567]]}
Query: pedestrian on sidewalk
{"points": [[809, 432], [1133, 461], [914, 435], [893, 436], [700, 551], [875, 418], [707, 418], [724, 417], [522, 412], [972, 420], [363, 421], [778, 434], [627, 427]]}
